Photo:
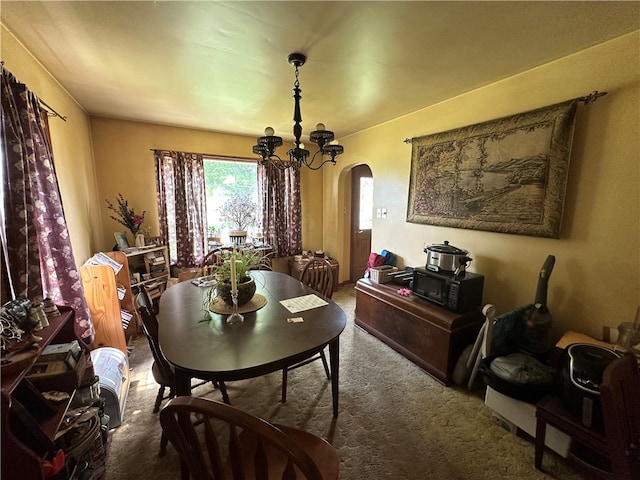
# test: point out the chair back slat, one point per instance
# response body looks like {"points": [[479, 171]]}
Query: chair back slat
{"points": [[144, 305], [318, 274], [256, 448]]}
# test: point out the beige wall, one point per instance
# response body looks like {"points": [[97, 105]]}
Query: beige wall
{"points": [[124, 164], [71, 144], [596, 277]]}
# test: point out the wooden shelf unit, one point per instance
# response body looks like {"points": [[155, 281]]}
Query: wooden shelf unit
{"points": [[29, 421], [126, 302], [142, 262]]}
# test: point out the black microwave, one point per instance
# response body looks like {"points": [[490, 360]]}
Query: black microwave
{"points": [[460, 294]]}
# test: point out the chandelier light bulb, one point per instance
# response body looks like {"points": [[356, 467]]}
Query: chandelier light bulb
{"points": [[268, 132], [320, 126], [301, 145]]}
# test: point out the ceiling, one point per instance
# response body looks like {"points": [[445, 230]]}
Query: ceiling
{"points": [[222, 66]]}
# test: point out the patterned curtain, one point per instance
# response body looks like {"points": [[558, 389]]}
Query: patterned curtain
{"points": [[35, 240], [279, 193], [182, 210]]}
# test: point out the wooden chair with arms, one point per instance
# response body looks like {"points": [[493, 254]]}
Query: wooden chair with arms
{"points": [[161, 369], [256, 449], [317, 274], [620, 398]]}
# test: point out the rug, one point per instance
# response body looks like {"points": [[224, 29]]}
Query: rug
{"points": [[395, 421]]}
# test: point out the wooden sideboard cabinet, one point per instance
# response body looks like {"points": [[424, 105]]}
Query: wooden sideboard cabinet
{"points": [[29, 421], [428, 335]]}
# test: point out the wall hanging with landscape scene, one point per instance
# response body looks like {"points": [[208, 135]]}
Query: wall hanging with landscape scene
{"points": [[506, 175]]}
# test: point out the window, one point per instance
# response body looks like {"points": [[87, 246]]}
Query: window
{"points": [[224, 178], [365, 217]]}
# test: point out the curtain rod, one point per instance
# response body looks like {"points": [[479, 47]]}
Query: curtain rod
{"points": [[51, 112], [587, 99], [210, 155]]}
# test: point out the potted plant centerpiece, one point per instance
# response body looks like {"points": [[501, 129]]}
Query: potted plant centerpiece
{"points": [[238, 213], [245, 260]]}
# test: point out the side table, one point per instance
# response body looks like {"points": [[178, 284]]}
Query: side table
{"points": [[550, 411], [296, 267]]}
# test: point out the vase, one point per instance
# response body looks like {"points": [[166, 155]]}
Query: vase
{"points": [[140, 241], [246, 290], [238, 237]]}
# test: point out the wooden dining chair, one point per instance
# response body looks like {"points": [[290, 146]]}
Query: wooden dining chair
{"points": [[317, 274], [212, 258], [161, 369], [216, 441], [620, 398]]}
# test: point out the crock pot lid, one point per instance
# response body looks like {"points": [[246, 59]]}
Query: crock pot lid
{"points": [[587, 353], [446, 248]]}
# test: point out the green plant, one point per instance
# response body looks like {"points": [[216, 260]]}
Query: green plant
{"points": [[246, 259], [126, 215], [213, 231], [239, 212]]}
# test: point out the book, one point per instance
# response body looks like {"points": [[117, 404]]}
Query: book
{"points": [[126, 318]]}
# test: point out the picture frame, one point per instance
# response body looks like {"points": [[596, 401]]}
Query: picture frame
{"points": [[155, 241], [507, 175], [121, 241]]}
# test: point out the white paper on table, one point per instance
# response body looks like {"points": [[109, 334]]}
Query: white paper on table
{"points": [[300, 304]]}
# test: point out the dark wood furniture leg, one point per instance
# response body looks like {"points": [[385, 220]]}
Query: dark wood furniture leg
{"points": [[183, 383], [334, 355], [223, 391], [541, 432]]}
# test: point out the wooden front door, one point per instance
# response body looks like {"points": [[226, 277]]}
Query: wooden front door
{"points": [[361, 219]]}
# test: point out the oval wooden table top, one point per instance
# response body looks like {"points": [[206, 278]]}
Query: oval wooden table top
{"points": [[203, 344]]}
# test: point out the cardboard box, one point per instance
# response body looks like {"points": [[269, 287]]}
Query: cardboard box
{"points": [[57, 376], [523, 415], [66, 352], [381, 274]]}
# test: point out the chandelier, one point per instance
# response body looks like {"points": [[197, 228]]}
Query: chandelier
{"points": [[328, 149]]}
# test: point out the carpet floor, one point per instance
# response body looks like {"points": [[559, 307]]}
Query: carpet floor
{"points": [[395, 421]]}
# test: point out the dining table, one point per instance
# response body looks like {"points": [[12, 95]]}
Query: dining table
{"points": [[201, 344]]}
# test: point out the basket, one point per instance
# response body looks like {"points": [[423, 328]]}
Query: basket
{"points": [[381, 274]]}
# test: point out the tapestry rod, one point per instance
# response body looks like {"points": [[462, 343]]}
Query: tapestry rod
{"points": [[592, 97]]}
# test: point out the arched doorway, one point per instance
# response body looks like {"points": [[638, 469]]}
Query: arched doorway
{"points": [[361, 220]]}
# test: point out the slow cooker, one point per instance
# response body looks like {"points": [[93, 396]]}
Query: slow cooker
{"points": [[584, 365], [444, 258]]}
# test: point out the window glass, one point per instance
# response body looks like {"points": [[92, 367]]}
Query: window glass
{"points": [[223, 179], [366, 204]]}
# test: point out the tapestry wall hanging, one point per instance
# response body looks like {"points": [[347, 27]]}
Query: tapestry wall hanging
{"points": [[507, 175]]}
